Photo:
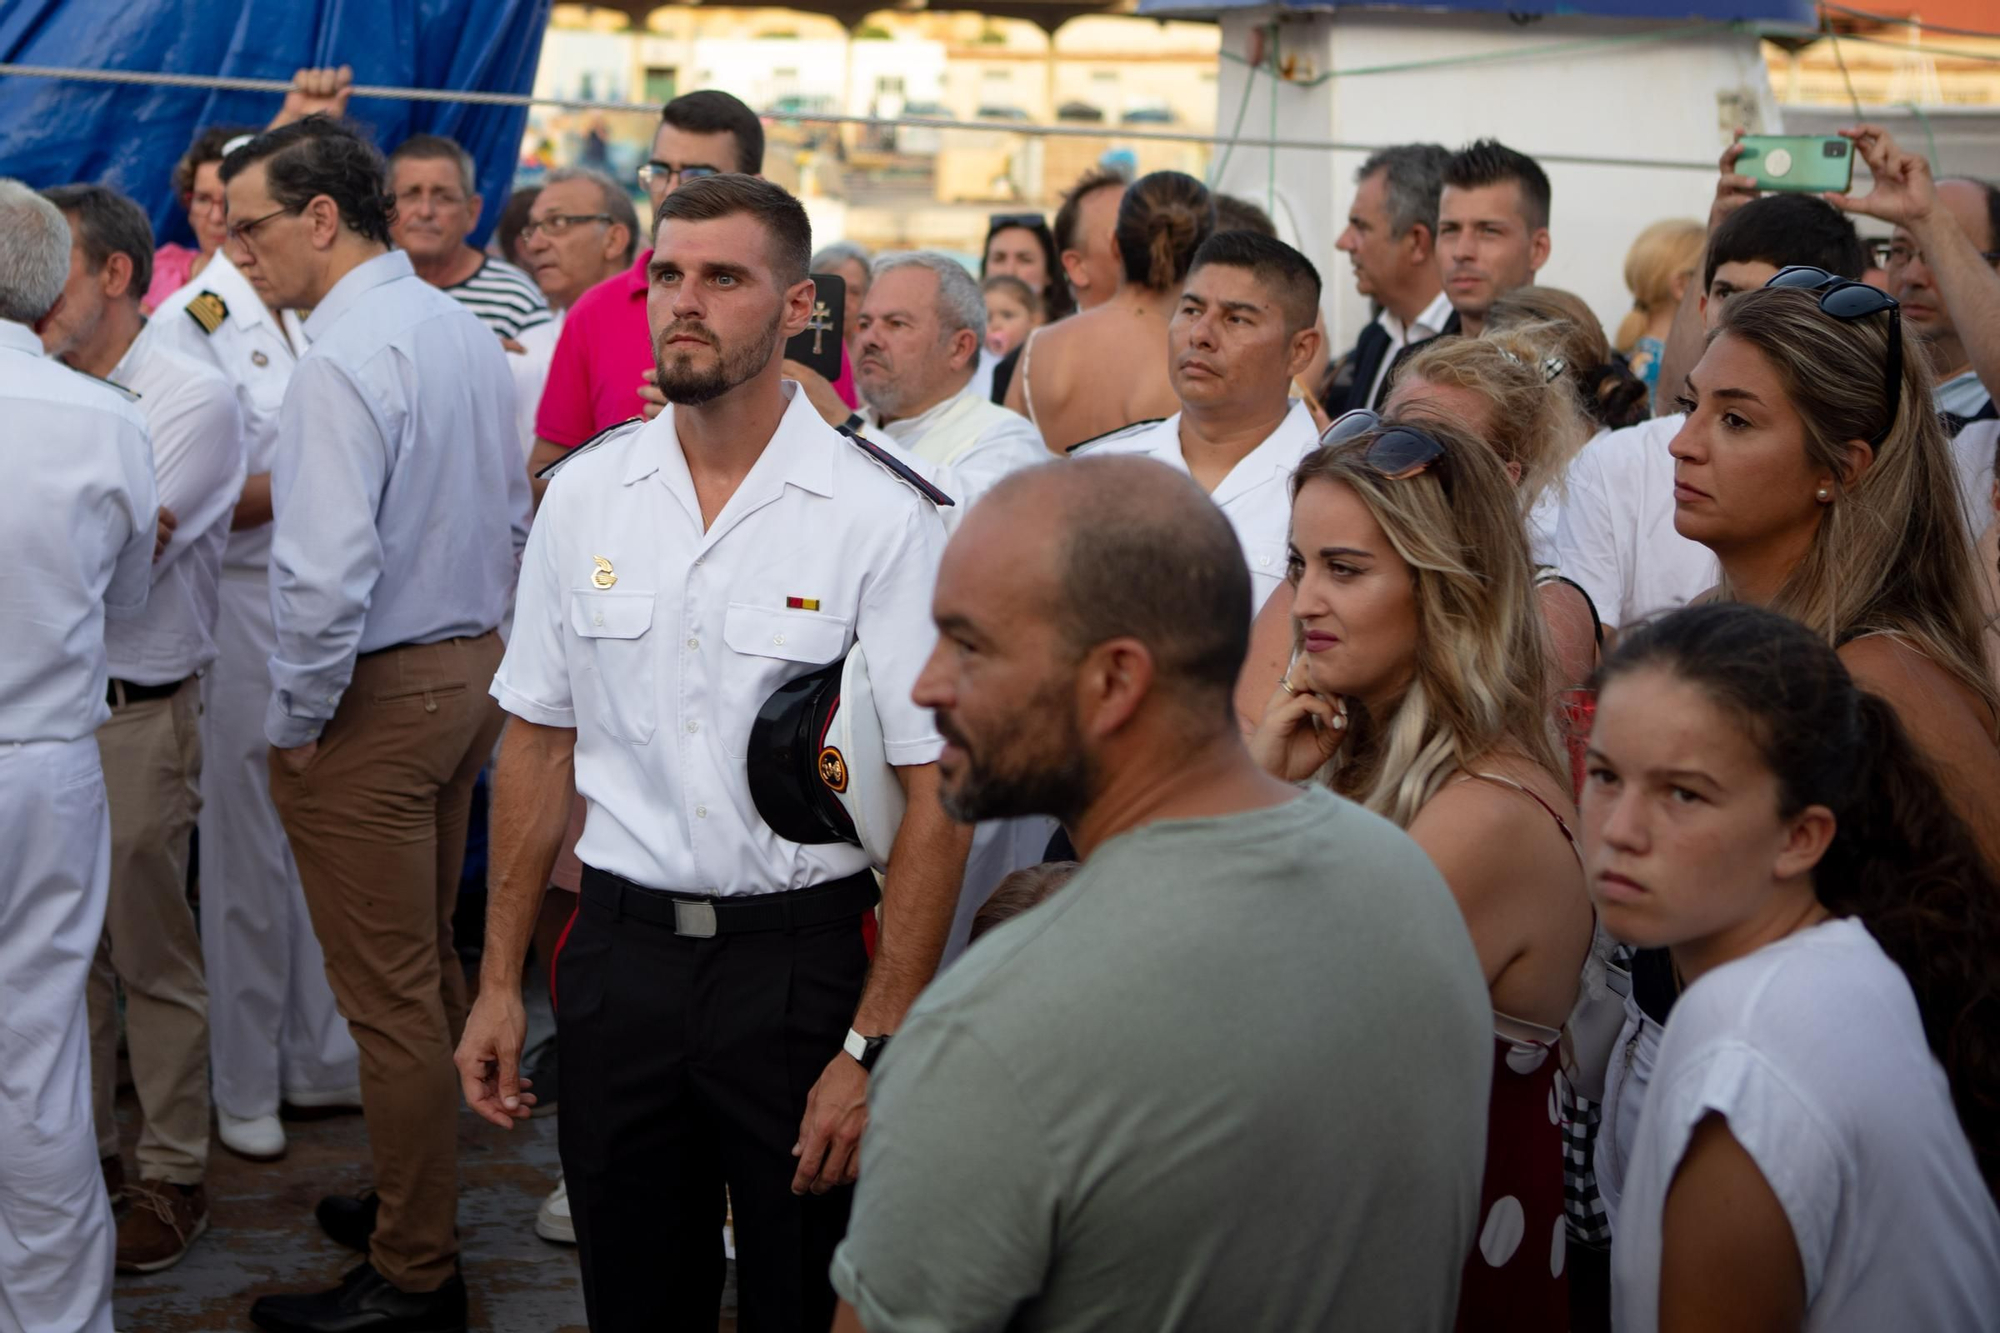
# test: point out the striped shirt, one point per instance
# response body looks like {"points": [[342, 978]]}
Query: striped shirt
{"points": [[505, 299]]}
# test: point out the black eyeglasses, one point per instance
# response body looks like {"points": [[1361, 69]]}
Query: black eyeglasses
{"points": [[1396, 454], [555, 224], [239, 232], [1847, 300], [1896, 254], [661, 171]]}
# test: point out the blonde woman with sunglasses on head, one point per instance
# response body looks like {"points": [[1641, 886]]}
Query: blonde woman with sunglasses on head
{"points": [[1419, 691]]}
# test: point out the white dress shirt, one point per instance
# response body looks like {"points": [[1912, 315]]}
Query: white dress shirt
{"points": [[1256, 496], [969, 442], [401, 503], [76, 538], [197, 433], [1426, 325], [531, 373], [662, 673], [255, 351], [1616, 536]]}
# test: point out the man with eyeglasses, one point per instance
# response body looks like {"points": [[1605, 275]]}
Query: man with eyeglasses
{"points": [[581, 230], [1940, 262], [605, 349], [433, 182], [401, 514]]}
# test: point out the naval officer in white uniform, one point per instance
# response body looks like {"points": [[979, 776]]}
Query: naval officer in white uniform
{"points": [[716, 1009], [77, 525], [274, 1031], [151, 747], [1244, 329]]}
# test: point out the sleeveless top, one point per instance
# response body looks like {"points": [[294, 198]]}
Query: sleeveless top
{"points": [[1513, 1279], [1027, 380]]}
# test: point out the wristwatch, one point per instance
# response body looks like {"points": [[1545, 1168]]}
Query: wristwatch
{"points": [[865, 1050]]}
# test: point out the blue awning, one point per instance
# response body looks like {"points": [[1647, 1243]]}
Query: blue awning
{"points": [[56, 131]]}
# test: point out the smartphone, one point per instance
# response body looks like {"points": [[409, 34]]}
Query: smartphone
{"points": [[1807, 163], [817, 347]]}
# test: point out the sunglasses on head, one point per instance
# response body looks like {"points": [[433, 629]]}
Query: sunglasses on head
{"points": [[1395, 454], [1002, 221], [1846, 299]]}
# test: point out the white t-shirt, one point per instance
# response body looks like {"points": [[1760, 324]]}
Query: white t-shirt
{"points": [[1616, 535], [1813, 1050]]}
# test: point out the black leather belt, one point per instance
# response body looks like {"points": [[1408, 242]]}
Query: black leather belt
{"points": [[117, 693], [700, 917]]}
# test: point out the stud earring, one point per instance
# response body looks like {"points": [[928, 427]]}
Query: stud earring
{"points": [[1824, 495]]}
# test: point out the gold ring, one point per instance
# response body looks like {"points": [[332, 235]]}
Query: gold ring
{"points": [[1286, 681]]}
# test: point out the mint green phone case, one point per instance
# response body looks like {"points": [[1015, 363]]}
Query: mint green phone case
{"points": [[1807, 163]]}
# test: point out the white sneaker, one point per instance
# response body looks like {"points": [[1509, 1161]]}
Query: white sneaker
{"points": [[260, 1138], [552, 1220], [339, 1098]]}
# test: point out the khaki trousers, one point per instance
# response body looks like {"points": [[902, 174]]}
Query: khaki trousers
{"points": [[151, 752], [377, 825]]}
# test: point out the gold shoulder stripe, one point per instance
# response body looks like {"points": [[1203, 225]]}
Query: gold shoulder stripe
{"points": [[208, 311]]}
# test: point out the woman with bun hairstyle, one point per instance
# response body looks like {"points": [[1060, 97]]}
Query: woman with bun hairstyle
{"points": [[1812, 464], [1420, 691], [1106, 368], [1612, 395], [1820, 1140]]}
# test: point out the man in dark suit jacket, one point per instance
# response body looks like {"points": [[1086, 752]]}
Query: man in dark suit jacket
{"points": [[1391, 238]]}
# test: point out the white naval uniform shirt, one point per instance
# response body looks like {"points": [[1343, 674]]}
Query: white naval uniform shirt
{"points": [[1003, 442], [255, 351], [401, 503], [1616, 535], [76, 538], [1256, 496], [662, 673], [197, 433]]}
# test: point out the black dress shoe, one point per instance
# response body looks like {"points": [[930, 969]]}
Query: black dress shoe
{"points": [[349, 1219], [365, 1302]]}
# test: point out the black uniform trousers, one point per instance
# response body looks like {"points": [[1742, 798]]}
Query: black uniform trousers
{"points": [[686, 1066]]}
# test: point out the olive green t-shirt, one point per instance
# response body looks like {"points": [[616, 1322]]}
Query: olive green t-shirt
{"points": [[1233, 1076]]}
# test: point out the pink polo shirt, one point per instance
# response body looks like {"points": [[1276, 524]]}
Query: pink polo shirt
{"points": [[602, 357]]}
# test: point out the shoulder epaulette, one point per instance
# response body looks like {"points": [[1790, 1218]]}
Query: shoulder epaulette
{"points": [[602, 437], [115, 387], [1111, 435], [902, 470], [207, 311]]}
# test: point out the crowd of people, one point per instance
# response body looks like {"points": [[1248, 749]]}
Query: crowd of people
{"points": [[1084, 806]]}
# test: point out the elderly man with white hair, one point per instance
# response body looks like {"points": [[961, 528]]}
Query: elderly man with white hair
{"points": [[77, 531], [915, 349]]}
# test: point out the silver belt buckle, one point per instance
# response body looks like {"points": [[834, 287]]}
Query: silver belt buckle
{"points": [[694, 920]]}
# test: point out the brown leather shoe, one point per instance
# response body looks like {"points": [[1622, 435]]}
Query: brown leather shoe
{"points": [[163, 1221]]}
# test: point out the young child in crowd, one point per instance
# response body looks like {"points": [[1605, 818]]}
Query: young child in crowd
{"points": [[1012, 312]]}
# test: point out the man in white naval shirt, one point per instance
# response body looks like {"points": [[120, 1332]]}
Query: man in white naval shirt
{"points": [[152, 744], [680, 571], [274, 1034], [915, 347], [400, 510], [1243, 330], [77, 539]]}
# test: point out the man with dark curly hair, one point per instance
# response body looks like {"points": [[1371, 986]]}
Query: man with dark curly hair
{"points": [[400, 513]]}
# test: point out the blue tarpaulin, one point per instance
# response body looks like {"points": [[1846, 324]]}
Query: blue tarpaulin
{"points": [[55, 131]]}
